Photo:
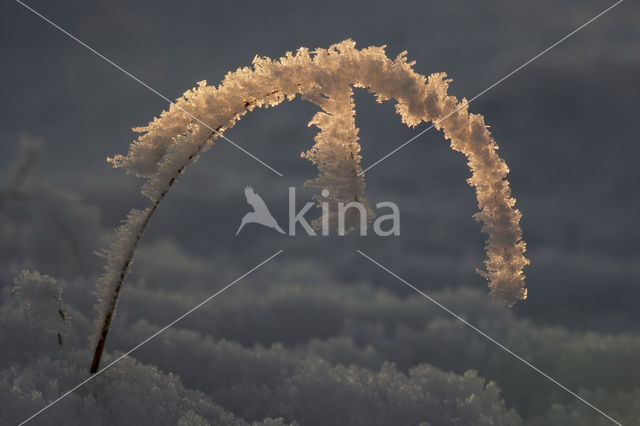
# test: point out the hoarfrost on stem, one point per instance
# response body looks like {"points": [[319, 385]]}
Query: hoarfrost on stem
{"points": [[325, 77]]}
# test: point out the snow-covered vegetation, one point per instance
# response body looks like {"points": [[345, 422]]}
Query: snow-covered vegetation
{"points": [[329, 354]]}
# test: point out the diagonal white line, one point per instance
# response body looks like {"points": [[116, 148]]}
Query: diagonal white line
{"points": [[485, 335], [148, 87], [152, 336], [463, 104]]}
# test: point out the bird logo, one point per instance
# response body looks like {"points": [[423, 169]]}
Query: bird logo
{"points": [[260, 213]]}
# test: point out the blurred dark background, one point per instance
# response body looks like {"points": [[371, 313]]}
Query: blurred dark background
{"points": [[566, 126]]}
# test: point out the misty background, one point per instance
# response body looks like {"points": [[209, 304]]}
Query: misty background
{"points": [[566, 126]]}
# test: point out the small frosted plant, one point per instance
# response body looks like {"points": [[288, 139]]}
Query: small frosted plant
{"points": [[41, 296], [325, 77]]}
